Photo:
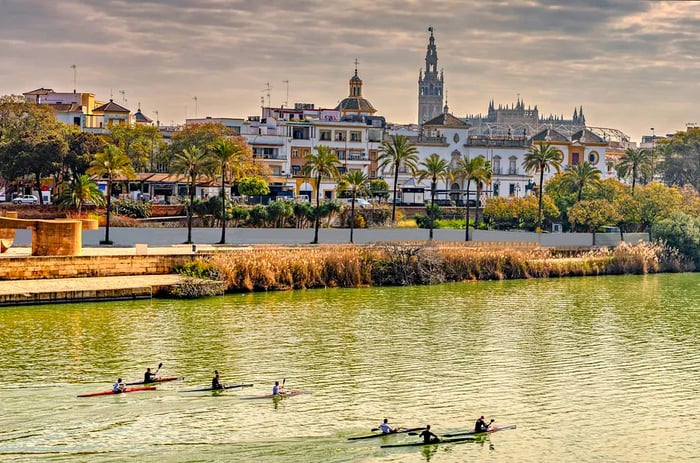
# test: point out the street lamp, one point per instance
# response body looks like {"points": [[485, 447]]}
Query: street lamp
{"points": [[653, 140]]}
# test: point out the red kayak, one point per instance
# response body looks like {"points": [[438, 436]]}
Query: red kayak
{"points": [[157, 380], [280, 396], [110, 392]]}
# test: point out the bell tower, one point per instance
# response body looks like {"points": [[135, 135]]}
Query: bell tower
{"points": [[430, 85]]}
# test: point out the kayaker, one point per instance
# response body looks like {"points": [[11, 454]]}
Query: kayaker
{"points": [[481, 426], [118, 386], [149, 377], [216, 381], [277, 389], [386, 428], [428, 436]]}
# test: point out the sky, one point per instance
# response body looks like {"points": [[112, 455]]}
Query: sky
{"points": [[631, 64]]}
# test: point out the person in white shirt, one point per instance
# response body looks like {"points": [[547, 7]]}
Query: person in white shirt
{"points": [[386, 428], [118, 386]]}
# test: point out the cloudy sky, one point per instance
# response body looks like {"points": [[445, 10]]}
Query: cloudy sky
{"points": [[631, 64]]}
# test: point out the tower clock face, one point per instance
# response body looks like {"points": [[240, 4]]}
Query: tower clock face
{"points": [[456, 138]]}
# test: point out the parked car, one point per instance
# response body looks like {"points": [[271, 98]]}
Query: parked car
{"points": [[359, 202], [25, 199]]}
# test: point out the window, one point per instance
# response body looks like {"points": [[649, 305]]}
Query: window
{"points": [[339, 135], [575, 158], [497, 165], [512, 166], [325, 135], [295, 153], [593, 157], [561, 155], [340, 154], [372, 173], [355, 136]]}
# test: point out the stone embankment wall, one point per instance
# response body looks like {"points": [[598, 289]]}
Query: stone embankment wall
{"points": [[26, 268]]}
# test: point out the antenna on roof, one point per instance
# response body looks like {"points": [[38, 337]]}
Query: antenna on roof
{"points": [[286, 102], [267, 89], [123, 92], [75, 76], [195, 106]]}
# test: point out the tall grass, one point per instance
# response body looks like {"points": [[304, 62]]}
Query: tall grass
{"points": [[271, 268]]}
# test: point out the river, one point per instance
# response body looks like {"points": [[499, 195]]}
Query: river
{"points": [[590, 369]]}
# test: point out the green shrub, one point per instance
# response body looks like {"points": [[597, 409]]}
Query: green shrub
{"points": [[131, 208]]}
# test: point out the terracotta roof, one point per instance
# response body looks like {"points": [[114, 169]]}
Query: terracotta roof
{"points": [[446, 120], [141, 117], [356, 104], [40, 91], [549, 135], [112, 107], [586, 136], [67, 107]]}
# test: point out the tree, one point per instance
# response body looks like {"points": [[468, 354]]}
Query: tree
{"points": [[681, 231], [657, 202], [579, 176], [232, 159], [82, 147], [477, 169], [203, 136], [396, 154], [379, 188], [322, 164], [139, 142], [110, 164], [192, 162], [80, 191], [542, 158], [681, 159], [635, 163], [435, 168], [354, 182], [253, 186], [593, 214]]}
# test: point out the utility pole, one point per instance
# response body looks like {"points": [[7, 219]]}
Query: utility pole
{"points": [[195, 107]]}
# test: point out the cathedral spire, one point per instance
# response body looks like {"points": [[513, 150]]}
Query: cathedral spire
{"points": [[430, 84]]}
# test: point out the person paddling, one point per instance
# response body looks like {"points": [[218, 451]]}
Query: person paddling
{"points": [[428, 436], [386, 428], [481, 426], [216, 381], [118, 386], [149, 377], [277, 390]]}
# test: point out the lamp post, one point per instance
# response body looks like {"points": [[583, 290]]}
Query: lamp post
{"points": [[653, 140]]}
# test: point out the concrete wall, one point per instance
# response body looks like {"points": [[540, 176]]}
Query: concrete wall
{"points": [[89, 266], [128, 237]]}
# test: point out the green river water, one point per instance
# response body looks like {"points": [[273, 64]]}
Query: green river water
{"points": [[590, 369]]}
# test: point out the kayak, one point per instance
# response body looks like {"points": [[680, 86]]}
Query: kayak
{"points": [[226, 386], [372, 436], [157, 380], [420, 444], [492, 429], [280, 396], [110, 392]]}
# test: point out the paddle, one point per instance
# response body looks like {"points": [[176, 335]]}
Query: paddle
{"points": [[158, 369]]}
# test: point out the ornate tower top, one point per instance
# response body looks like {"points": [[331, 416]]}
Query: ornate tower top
{"points": [[431, 57], [355, 84]]}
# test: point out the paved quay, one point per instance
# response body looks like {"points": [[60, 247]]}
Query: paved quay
{"points": [[63, 290]]}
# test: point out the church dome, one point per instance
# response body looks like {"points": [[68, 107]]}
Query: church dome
{"points": [[355, 103]]}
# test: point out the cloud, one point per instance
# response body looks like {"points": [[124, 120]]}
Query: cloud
{"points": [[608, 55]]}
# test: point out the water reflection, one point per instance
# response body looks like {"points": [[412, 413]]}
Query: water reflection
{"points": [[565, 354]]}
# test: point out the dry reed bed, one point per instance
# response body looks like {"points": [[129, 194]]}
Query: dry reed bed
{"points": [[402, 264]]}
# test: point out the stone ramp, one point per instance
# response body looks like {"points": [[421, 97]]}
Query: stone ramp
{"points": [[64, 290]]}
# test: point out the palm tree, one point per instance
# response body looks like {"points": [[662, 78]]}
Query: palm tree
{"points": [[226, 156], [581, 175], [80, 191], [322, 164], [112, 162], [395, 154], [191, 163], [355, 182], [477, 169], [542, 157], [635, 162], [435, 168]]}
